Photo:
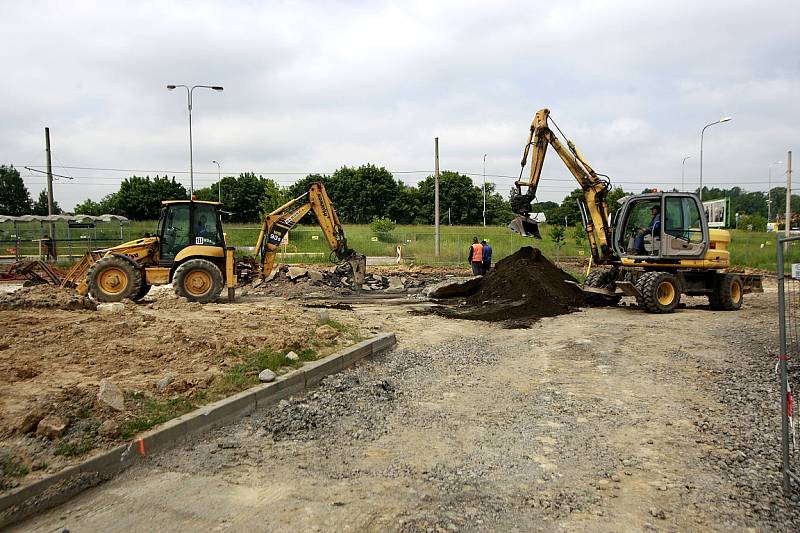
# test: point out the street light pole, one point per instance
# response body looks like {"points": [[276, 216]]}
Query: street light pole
{"points": [[189, 91], [683, 172], [219, 180], [484, 190], [769, 191], [702, 132]]}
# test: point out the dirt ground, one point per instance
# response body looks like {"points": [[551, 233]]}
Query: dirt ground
{"points": [[599, 420]]}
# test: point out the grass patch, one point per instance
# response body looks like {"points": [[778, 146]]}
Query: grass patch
{"points": [[74, 448], [11, 466], [154, 412], [245, 374]]}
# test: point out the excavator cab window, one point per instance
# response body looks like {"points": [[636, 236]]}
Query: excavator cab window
{"points": [[174, 231], [633, 239], [684, 235], [206, 228]]}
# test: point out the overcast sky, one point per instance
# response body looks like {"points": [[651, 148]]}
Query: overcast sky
{"points": [[312, 86]]}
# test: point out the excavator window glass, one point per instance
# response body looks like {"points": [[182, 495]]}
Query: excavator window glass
{"points": [[682, 219], [175, 231], [206, 227]]}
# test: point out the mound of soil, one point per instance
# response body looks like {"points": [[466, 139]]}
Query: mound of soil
{"points": [[522, 287], [47, 297]]}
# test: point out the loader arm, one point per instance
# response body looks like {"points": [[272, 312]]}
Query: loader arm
{"points": [[278, 223], [594, 207]]}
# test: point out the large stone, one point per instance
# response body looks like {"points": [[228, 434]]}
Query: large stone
{"points": [[30, 420], [395, 283], [51, 427], [315, 275], [326, 332], [108, 429], [163, 383], [266, 376], [296, 272], [111, 396], [291, 356], [111, 308]]}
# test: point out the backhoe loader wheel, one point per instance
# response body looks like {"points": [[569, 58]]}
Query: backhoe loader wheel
{"points": [[112, 279], [660, 292], [601, 279], [144, 288], [727, 293], [198, 280]]}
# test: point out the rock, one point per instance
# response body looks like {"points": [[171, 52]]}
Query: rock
{"points": [[111, 396], [314, 275], [452, 289], [326, 332], [108, 429], [111, 308], [30, 420], [272, 274], [252, 325], [615, 478], [266, 375], [291, 356], [395, 283], [180, 386], [323, 315], [658, 513], [164, 382], [51, 427], [296, 272]]}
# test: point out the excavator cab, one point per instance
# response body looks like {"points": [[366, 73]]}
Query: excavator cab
{"points": [[680, 230], [185, 223]]}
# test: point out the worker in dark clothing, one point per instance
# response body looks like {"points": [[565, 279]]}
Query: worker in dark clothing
{"points": [[653, 229], [487, 257], [475, 257]]}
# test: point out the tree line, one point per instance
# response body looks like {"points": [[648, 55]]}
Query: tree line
{"points": [[360, 195]]}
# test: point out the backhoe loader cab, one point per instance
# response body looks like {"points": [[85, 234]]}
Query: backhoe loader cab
{"points": [[185, 223]]}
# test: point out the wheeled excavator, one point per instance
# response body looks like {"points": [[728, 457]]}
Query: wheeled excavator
{"points": [[683, 256], [191, 251]]}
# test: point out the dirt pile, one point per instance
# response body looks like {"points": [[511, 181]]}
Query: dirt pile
{"points": [[47, 297], [522, 287]]}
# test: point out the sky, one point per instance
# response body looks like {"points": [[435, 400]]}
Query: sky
{"points": [[312, 86]]}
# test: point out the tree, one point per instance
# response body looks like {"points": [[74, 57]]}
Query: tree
{"points": [[498, 209], [360, 194], [456, 194], [106, 206], [140, 198], [40, 206], [15, 200]]}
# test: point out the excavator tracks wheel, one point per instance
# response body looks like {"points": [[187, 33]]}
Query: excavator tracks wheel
{"points": [[112, 279], [727, 293], [659, 292], [602, 279], [198, 280]]}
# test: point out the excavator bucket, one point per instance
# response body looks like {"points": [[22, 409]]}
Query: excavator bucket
{"points": [[358, 263], [525, 227]]}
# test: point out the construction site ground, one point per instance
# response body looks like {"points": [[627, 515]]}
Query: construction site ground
{"points": [[597, 420]]}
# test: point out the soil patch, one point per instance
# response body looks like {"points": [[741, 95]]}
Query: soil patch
{"points": [[524, 286], [46, 297]]}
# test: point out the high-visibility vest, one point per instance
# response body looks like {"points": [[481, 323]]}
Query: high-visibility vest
{"points": [[477, 253]]}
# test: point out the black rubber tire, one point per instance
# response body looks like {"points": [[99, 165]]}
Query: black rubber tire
{"points": [[131, 279], [195, 267], [602, 279], [651, 299], [727, 293], [144, 288]]}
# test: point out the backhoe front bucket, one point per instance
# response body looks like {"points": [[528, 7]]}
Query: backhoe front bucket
{"points": [[525, 227]]}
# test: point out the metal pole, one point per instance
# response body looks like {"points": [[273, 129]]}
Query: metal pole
{"points": [[219, 180], [49, 183], [683, 172], [436, 199], [191, 154], [702, 132], [782, 361], [769, 195], [788, 217], [484, 190]]}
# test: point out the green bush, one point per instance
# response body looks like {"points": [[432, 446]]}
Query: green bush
{"points": [[556, 234], [381, 226], [579, 234], [752, 223]]}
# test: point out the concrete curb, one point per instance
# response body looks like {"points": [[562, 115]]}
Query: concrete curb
{"points": [[60, 487]]}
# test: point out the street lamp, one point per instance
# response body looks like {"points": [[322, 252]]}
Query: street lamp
{"points": [[219, 180], [484, 190], [683, 172], [769, 191], [720, 121], [189, 91]]}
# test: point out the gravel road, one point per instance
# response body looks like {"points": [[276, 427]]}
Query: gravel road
{"points": [[601, 420]]}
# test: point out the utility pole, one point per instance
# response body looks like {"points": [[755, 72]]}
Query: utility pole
{"points": [[484, 190], [788, 220], [49, 181], [436, 199]]}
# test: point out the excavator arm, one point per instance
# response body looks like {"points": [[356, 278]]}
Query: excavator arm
{"points": [[278, 223], [593, 206]]}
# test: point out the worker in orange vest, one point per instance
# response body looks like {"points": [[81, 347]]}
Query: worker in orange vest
{"points": [[475, 257]]}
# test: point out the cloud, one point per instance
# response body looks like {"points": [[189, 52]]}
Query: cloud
{"points": [[311, 86]]}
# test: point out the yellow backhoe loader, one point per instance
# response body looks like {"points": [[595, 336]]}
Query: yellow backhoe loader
{"points": [[658, 244], [190, 251]]}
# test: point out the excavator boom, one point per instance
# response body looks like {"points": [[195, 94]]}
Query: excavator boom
{"points": [[594, 208]]}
